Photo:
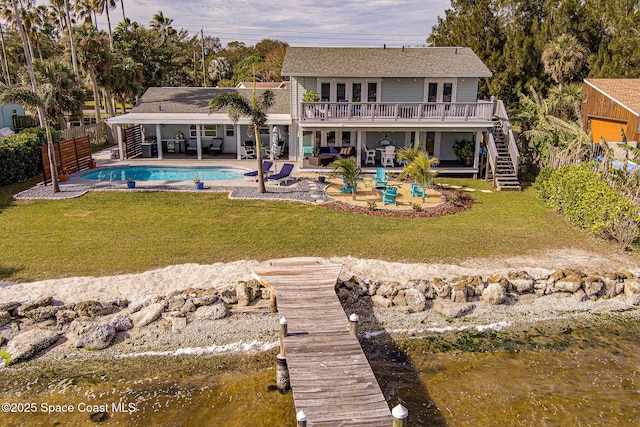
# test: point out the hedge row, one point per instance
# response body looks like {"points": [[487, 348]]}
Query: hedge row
{"points": [[585, 198], [20, 155]]}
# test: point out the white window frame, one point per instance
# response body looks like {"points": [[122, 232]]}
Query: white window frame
{"points": [[364, 87], [207, 131], [440, 83]]}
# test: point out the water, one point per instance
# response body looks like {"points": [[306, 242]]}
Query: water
{"points": [[580, 373], [159, 173], [553, 374]]}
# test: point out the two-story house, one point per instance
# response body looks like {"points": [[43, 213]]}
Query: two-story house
{"points": [[367, 99]]}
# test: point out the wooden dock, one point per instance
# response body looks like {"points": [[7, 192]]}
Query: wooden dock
{"points": [[330, 376]]}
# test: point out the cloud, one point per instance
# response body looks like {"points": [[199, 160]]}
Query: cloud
{"points": [[299, 22]]}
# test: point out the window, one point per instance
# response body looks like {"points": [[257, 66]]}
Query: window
{"points": [[432, 94], [229, 130], [341, 92], [447, 91], [430, 143], [325, 92], [372, 92], [207, 131], [356, 92]]}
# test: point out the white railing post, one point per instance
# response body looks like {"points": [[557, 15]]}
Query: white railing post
{"points": [[400, 415], [301, 418]]}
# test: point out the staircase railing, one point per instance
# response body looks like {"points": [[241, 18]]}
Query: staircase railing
{"points": [[493, 157], [501, 115]]}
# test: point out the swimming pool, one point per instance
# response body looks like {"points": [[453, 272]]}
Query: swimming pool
{"points": [[165, 173]]}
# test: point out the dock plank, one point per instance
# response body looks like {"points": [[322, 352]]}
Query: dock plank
{"points": [[330, 376]]}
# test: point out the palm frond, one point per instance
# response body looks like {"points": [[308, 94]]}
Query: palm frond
{"points": [[237, 105], [265, 100], [23, 96]]}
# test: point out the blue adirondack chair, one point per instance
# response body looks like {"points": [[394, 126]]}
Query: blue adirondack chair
{"points": [[389, 195], [381, 177], [416, 190], [347, 187]]}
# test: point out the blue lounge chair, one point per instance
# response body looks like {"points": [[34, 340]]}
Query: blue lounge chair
{"points": [[253, 175], [381, 177], [347, 187], [283, 176], [416, 190], [389, 195]]}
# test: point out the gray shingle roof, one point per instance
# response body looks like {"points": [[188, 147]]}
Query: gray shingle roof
{"points": [[380, 62], [196, 99]]}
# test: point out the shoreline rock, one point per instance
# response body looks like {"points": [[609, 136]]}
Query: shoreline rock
{"points": [[95, 324]]}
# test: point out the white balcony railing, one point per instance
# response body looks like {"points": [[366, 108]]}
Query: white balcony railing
{"points": [[398, 111]]}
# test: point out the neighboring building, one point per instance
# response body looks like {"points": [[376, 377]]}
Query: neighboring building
{"points": [[368, 98], [8, 112], [610, 107]]}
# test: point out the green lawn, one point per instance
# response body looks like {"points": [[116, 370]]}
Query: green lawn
{"points": [[107, 232]]}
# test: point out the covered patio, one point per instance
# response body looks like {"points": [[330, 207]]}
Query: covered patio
{"points": [[175, 122]]}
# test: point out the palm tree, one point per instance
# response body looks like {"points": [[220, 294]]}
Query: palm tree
{"points": [[162, 24], [74, 58], [94, 57], [124, 17], [32, 98], [22, 19], [84, 9], [103, 6], [60, 90], [563, 58], [238, 106], [419, 168], [349, 171]]}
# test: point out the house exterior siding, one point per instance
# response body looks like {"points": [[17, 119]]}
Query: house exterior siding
{"points": [[402, 90], [467, 89], [600, 107]]}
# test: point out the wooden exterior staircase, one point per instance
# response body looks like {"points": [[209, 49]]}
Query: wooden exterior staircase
{"points": [[503, 153]]}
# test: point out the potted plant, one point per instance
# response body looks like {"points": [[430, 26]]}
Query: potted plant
{"points": [[310, 111], [465, 150], [131, 183], [63, 174], [92, 163], [199, 184], [321, 177]]}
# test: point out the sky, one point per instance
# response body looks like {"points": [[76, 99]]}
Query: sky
{"points": [[298, 22]]}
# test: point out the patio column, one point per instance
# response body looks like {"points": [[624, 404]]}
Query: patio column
{"points": [[120, 142], [476, 156], [300, 135], [159, 139], [199, 141], [238, 141], [359, 148]]}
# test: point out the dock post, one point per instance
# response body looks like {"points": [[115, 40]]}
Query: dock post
{"points": [[273, 303], [283, 333], [301, 417], [400, 414], [282, 373], [353, 324]]}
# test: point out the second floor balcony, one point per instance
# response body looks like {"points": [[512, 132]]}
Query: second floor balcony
{"points": [[481, 111]]}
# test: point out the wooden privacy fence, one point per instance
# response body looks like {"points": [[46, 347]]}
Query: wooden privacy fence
{"points": [[132, 142], [72, 155], [98, 133]]}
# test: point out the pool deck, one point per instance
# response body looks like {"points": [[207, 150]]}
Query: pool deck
{"points": [[300, 189]]}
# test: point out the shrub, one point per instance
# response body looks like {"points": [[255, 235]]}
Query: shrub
{"points": [[20, 155], [586, 199]]}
